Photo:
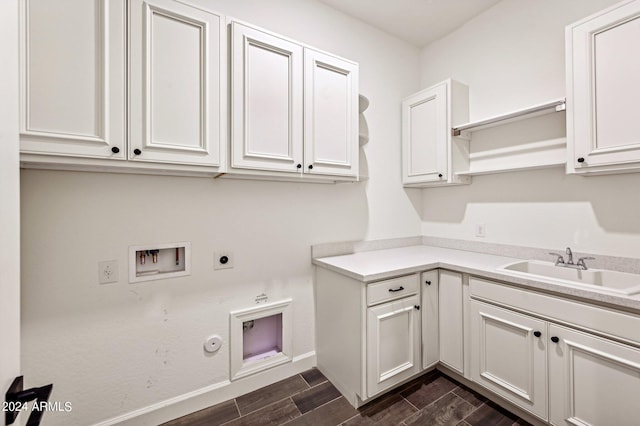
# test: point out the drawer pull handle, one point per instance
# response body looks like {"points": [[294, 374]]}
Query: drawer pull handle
{"points": [[393, 290], [417, 307], [427, 282], [537, 333], [555, 339]]}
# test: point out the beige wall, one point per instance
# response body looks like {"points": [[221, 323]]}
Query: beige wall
{"points": [[512, 56], [111, 349]]}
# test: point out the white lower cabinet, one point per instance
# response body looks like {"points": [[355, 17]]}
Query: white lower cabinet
{"points": [[451, 320], [368, 335], [508, 356], [593, 381], [429, 281], [555, 372], [393, 343], [371, 337]]}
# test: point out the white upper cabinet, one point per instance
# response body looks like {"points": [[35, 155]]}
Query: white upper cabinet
{"points": [[330, 115], [294, 109], [603, 88], [430, 156], [74, 86], [73, 78], [266, 98], [177, 83]]}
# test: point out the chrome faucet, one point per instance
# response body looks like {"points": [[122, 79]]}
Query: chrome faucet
{"points": [[569, 254], [580, 264]]}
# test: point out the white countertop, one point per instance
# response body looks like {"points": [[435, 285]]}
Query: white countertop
{"points": [[369, 266]]}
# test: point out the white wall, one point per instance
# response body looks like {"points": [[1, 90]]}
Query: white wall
{"points": [[110, 349], [512, 56], [9, 200]]}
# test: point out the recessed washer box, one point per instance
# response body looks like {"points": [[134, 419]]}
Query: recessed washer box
{"points": [[159, 261]]}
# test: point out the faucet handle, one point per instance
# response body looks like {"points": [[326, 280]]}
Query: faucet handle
{"points": [[559, 259], [581, 263]]}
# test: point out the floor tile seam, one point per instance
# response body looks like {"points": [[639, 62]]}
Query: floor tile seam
{"points": [[309, 384], [235, 401], [417, 409], [328, 402], [311, 411], [473, 407], [312, 387], [305, 380], [283, 398], [288, 396], [432, 403], [237, 408], [270, 404], [349, 419], [474, 410], [280, 400]]}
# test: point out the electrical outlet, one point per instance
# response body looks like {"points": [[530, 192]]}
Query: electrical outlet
{"points": [[108, 271], [223, 260], [480, 230]]}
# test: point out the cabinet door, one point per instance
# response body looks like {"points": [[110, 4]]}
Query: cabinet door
{"points": [[266, 101], [451, 320], [425, 136], [430, 323], [73, 78], [393, 343], [330, 115], [603, 89], [177, 83], [592, 381], [508, 356]]}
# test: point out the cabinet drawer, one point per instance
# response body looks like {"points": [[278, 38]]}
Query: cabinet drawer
{"points": [[597, 319], [394, 288]]}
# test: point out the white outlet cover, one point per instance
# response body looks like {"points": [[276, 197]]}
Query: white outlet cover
{"points": [[108, 271]]}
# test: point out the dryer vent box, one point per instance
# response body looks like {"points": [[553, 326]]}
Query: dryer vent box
{"points": [[260, 338]]}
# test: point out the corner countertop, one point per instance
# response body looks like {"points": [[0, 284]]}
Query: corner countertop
{"points": [[376, 265]]}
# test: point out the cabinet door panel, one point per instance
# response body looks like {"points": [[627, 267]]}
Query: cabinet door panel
{"points": [[266, 96], [176, 83], [393, 343], [592, 381], [330, 115], [451, 320], [430, 323], [508, 358], [424, 135], [602, 125], [73, 78]]}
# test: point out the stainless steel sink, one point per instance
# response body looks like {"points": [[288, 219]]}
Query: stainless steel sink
{"points": [[600, 279]]}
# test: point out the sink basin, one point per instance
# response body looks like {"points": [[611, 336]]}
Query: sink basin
{"points": [[600, 279]]}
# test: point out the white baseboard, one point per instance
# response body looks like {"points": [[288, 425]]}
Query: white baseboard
{"points": [[199, 399]]}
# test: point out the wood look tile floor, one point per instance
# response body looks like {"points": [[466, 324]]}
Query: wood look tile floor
{"points": [[310, 399]]}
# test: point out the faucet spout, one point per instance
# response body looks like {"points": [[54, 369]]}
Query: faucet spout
{"points": [[569, 254]]}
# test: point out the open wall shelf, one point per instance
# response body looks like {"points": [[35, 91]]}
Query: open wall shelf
{"points": [[527, 139], [523, 114]]}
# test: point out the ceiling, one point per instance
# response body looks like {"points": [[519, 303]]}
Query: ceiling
{"points": [[417, 21]]}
